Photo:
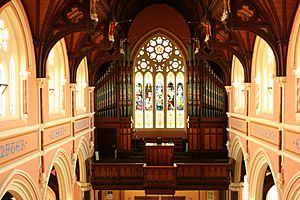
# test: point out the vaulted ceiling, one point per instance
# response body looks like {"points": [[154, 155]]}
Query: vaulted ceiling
{"points": [[51, 20]]}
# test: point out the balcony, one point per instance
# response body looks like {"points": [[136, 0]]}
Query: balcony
{"points": [[160, 179]]}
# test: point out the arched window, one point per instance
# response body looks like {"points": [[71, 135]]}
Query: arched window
{"points": [[12, 65], [81, 85], [238, 85], [159, 85], [56, 73], [264, 76], [297, 70], [293, 71]]}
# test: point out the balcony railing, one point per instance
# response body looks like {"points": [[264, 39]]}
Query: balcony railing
{"points": [[160, 179]]}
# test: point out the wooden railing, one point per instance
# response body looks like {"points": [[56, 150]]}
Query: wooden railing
{"points": [[159, 179], [117, 175], [162, 179], [203, 175]]}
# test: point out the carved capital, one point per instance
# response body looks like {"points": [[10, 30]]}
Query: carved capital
{"points": [[91, 88], [247, 86], [25, 75], [42, 180], [85, 186], [281, 81], [247, 157], [74, 158], [279, 180], [228, 88], [235, 186], [73, 86], [41, 82]]}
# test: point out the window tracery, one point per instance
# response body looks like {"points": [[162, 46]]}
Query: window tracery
{"points": [[159, 85]]}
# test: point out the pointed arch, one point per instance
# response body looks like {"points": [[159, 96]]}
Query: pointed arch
{"points": [[237, 152], [163, 32], [60, 162], [20, 184], [83, 153], [259, 165], [18, 60], [293, 71], [81, 85], [237, 80], [159, 68], [263, 75], [58, 74], [292, 190]]}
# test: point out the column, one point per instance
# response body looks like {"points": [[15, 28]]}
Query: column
{"points": [[279, 176], [86, 190], [42, 175], [235, 190], [91, 99], [73, 99], [228, 91], [92, 115], [247, 113]]}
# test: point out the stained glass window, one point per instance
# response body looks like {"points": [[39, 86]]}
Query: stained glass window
{"points": [[139, 115], [159, 90], [148, 101], [159, 85]]}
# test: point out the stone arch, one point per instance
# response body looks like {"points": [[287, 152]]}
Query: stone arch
{"points": [[16, 10], [83, 153], [293, 71], [292, 190], [293, 51], [163, 32], [237, 152], [19, 184], [60, 162], [260, 163]]}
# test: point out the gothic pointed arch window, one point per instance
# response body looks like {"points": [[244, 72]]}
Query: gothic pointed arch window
{"points": [[57, 75], [81, 85], [14, 63], [238, 85], [265, 65], [159, 85]]}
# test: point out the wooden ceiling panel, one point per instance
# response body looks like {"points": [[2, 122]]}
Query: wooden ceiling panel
{"points": [[273, 19]]}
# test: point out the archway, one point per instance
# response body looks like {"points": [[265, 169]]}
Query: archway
{"points": [[292, 190], [59, 180], [239, 180], [261, 177], [18, 184], [82, 171]]}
